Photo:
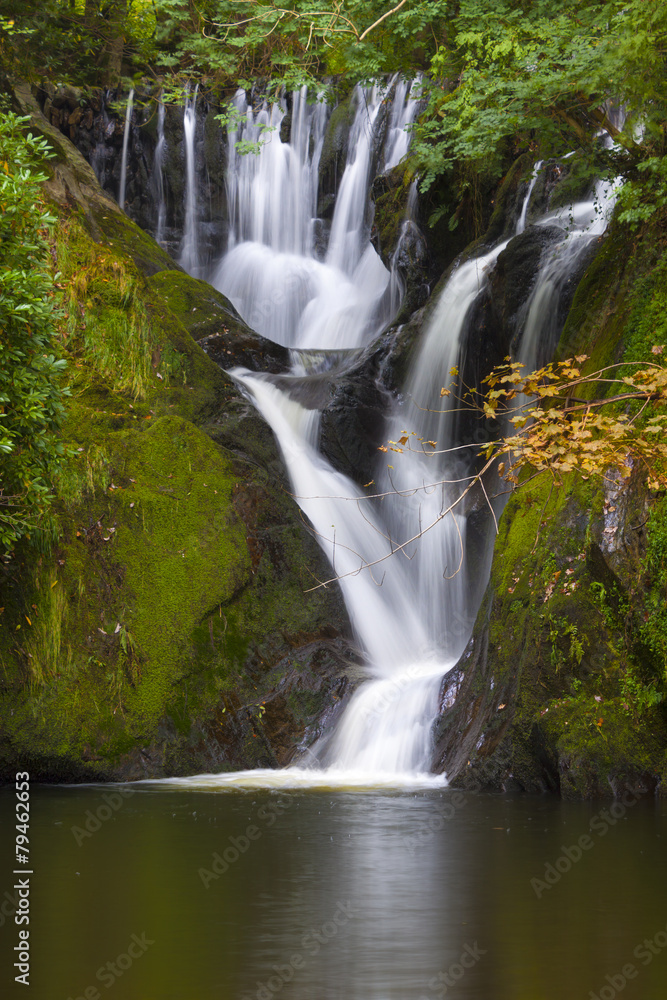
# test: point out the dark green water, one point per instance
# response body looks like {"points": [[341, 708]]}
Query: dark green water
{"points": [[338, 895]]}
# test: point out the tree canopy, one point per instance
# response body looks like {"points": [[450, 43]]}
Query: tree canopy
{"points": [[500, 76]]}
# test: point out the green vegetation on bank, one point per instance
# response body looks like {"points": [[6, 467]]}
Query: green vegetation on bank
{"points": [[149, 636], [573, 624], [32, 394]]}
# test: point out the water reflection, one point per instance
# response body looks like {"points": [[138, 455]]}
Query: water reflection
{"points": [[331, 894]]}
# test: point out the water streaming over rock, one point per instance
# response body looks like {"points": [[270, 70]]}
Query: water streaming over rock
{"points": [[582, 223], [189, 256], [521, 224], [126, 145], [299, 291], [404, 108], [400, 556], [157, 176]]}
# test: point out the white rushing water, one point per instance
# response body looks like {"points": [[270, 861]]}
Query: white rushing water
{"points": [[400, 556], [386, 727], [521, 224], [404, 107], [157, 176], [285, 283], [126, 145], [582, 223], [189, 257]]}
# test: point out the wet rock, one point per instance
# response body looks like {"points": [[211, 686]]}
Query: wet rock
{"points": [[398, 238], [353, 421], [334, 149], [514, 277], [286, 127]]}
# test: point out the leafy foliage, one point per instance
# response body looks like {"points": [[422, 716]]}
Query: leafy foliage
{"points": [[31, 394], [501, 76], [567, 422], [560, 428]]}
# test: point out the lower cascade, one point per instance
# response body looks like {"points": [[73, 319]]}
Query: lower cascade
{"points": [[400, 553]]}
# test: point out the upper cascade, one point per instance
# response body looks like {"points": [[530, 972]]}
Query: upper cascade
{"points": [[300, 280]]}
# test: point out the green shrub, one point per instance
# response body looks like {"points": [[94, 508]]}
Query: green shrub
{"points": [[31, 391]]}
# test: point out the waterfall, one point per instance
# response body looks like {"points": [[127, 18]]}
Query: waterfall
{"points": [[273, 272], [157, 176], [405, 105], [399, 555], [521, 224], [581, 223], [438, 566], [189, 257], [126, 145]]}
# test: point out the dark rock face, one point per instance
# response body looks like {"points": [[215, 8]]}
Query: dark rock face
{"points": [[300, 697], [96, 124], [398, 238], [470, 733], [334, 155], [515, 274], [354, 419]]}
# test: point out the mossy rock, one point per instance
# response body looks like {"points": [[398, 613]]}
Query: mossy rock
{"points": [[211, 319], [172, 603], [562, 686], [334, 151]]}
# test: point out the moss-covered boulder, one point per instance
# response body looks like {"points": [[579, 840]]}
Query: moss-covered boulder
{"points": [[171, 628]]}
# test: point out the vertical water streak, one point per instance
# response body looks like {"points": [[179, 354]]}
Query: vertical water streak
{"points": [[582, 223], [427, 478], [157, 177], [347, 228], [126, 145], [189, 257], [403, 112], [521, 223]]}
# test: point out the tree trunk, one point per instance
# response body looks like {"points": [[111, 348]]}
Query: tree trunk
{"points": [[113, 22]]}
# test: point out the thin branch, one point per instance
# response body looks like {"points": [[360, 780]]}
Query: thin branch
{"points": [[495, 520], [381, 19], [462, 550], [414, 538]]}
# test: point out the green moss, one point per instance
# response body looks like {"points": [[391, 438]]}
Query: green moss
{"points": [[178, 580], [142, 563], [647, 324], [181, 544], [336, 135], [125, 239], [200, 308], [598, 741]]}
